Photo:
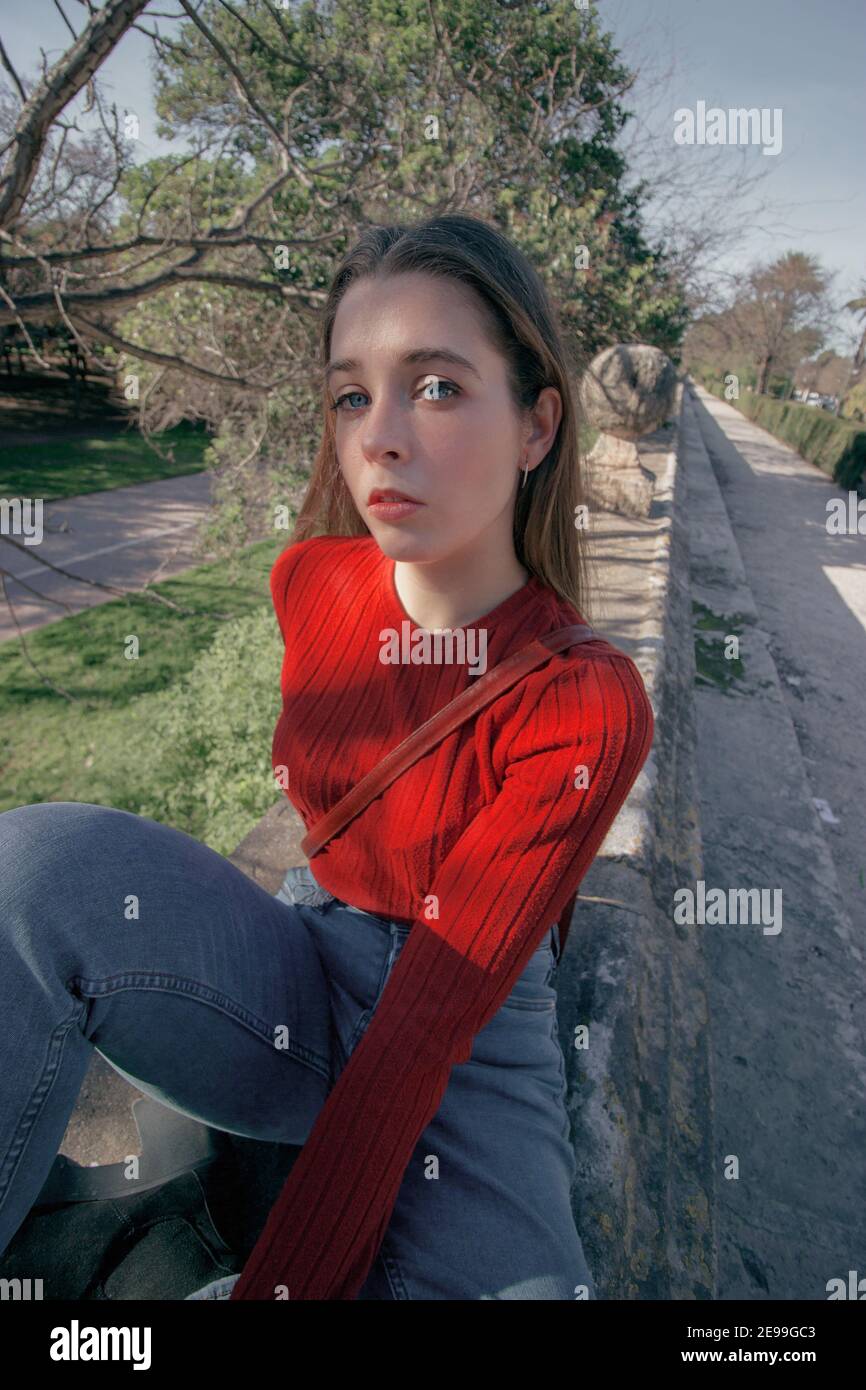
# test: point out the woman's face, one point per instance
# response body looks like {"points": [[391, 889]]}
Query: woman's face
{"points": [[445, 432]]}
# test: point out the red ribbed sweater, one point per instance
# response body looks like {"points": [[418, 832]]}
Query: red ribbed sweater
{"points": [[490, 822]]}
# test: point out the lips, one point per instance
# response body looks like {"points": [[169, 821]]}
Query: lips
{"points": [[390, 494]]}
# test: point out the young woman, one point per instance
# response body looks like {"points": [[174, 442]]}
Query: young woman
{"points": [[392, 1008]]}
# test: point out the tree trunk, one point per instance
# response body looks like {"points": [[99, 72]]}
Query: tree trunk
{"points": [[764, 376]]}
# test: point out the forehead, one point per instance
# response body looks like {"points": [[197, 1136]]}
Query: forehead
{"points": [[392, 314]]}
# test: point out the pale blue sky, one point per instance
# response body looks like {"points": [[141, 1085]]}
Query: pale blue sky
{"points": [[805, 58]]}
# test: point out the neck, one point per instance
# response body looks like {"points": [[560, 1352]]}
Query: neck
{"points": [[456, 591]]}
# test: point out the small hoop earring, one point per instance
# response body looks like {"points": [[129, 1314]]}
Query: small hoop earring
{"points": [[525, 469]]}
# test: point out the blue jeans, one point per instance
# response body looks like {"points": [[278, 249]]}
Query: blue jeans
{"points": [[133, 938]]}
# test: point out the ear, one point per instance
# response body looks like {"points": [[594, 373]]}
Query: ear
{"points": [[545, 417]]}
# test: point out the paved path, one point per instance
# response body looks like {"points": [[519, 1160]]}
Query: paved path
{"points": [[125, 536], [785, 993], [810, 591]]}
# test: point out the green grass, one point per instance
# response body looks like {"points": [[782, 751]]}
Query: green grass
{"points": [[52, 749], [712, 667], [73, 465]]}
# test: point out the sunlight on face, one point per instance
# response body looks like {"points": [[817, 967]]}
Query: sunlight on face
{"points": [[444, 432]]}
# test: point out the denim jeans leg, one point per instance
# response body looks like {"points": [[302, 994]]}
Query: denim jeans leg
{"points": [[124, 935], [484, 1209]]}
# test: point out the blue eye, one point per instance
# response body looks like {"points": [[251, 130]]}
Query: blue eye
{"points": [[436, 382], [439, 382], [339, 401]]}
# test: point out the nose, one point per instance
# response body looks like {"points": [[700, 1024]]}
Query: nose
{"points": [[385, 433]]}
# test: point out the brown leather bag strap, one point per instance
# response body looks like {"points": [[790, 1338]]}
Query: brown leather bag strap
{"points": [[461, 708]]}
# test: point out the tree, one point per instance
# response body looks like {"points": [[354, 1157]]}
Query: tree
{"points": [[779, 313], [858, 306], [203, 275], [778, 316]]}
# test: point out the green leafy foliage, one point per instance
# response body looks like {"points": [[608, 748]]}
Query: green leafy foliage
{"points": [[202, 750], [392, 110]]}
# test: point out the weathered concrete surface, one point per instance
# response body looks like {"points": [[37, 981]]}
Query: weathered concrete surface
{"points": [[810, 590], [787, 1010], [640, 1095], [616, 480], [272, 846]]}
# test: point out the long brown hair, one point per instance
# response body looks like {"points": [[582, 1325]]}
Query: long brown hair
{"points": [[523, 328]]}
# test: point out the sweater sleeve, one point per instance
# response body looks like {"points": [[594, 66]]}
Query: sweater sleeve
{"points": [[503, 884]]}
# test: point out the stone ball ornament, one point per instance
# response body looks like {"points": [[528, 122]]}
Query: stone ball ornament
{"points": [[628, 390]]}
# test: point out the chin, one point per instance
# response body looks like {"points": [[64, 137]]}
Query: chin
{"points": [[405, 548]]}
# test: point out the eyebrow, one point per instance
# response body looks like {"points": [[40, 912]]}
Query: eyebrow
{"points": [[421, 354]]}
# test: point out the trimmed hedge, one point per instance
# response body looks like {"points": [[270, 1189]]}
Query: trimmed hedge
{"points": [[837, 446]]}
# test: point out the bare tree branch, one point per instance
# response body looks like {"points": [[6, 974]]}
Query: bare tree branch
{"points": [[72, 72], [43, 307], [164, 359], [7, 63]]}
